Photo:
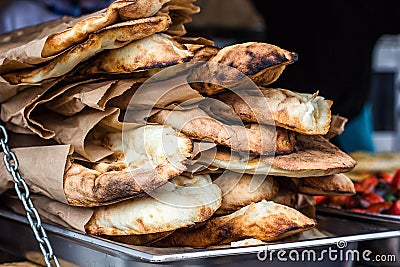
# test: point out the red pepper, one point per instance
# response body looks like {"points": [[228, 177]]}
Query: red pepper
{"points": [[386, 177], [373, 198], [319, 199], [395, 209], [379, 207], [366, 186], [352, 202], [395, 184]]}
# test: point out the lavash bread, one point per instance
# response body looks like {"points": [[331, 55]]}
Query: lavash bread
{"points": [[265, 220], [238, 190], [261, 62], [255, 138], [155, 51], [303, 113], [194, 200], [314, 156], [120, 9], [333, 185], [111, 37], [142, 164]]}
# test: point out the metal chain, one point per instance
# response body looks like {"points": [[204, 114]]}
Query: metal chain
{"points": [[22, 189]]}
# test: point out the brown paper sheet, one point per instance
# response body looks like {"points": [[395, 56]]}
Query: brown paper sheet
{"points": [[13, 110], [338, 124], [73, 130], [54, 211], [94, 95], [42, 168]]}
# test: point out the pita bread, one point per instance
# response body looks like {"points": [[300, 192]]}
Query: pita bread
{"points": [[302, 113], [112, 37], [265, 220], [120, 9], [371, 163], [337, 126], [180, 12], [262, 63], [145, 164], [257, 139], [237, 191], [333, 185], [155, 51], [147, 215], [314, 156]]}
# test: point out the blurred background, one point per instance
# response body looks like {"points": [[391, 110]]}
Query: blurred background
{"points": [[349, 51]]}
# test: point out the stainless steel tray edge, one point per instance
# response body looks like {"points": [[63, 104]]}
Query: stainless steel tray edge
{"points": [[154, 255]]}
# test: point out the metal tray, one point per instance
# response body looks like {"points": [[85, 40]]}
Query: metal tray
{"points": [[77, 249], [379, 246]]}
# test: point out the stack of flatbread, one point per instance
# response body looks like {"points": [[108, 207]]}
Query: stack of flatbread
{"points": [[217, 158]]}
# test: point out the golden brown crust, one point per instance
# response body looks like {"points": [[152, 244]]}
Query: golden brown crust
{"points": [[112, 37], [302, 113], [261, 62], [264, 220], [315, 152], [183, 202], [237, 191], [125, 9], [258, 139], [314, 156], [88, 187], [155, 51], [333, 185]]}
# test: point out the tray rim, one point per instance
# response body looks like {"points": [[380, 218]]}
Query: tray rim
{"points": [[129, 252]]}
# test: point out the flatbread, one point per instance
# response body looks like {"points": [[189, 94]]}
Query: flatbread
{"points": [[145, 164], [155, 51], [299, 112], [333, 185], [112, 37], [263, 63], [120, 9], [314, 156], [372, 163], [180, 12], [337, 127], [258, 139], [265, 220], [237, 191], [198, 197]]}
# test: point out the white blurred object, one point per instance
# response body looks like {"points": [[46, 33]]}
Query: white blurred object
{"points": [[386, 59]]}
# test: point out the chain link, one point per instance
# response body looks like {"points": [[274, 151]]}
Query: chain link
{"points": [[22, 190]]}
